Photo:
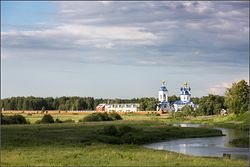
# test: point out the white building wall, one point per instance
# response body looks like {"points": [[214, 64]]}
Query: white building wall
{"points": [[121, 107], [162, 96], [185, 98]]}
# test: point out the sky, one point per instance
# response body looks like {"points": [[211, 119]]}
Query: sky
{"points": [[106, 49]]}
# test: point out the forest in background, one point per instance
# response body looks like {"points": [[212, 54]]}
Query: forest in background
{"points": [[236, 100]]}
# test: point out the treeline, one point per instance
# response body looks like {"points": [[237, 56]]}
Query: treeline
{"points": [[48, 103], [69, 103], [77, 103], [236, 100]]}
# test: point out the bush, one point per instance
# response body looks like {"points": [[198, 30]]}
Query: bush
{"points": [[101, 117], [117, 130], [13, 119], [123, 129], [58, 121], [38, 122], [65, 121], [115, 116], [47, 118], [68, 121], [110, 130]]}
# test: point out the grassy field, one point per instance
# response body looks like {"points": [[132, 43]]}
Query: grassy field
{"points": [[83, 144], [230, 121], [105, 155]]}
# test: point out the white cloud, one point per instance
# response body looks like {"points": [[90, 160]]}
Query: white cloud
{"points": [[106, 2], [79, 31], [220, 89], [187, 30], [105, 45]]}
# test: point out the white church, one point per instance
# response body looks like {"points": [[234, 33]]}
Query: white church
{"points": [[185, 99]]}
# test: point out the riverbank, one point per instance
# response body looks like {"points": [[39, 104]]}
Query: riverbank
{"points": [[229, 121], [89, 144], [241, 142]]}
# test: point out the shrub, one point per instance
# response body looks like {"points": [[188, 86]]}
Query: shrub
{"points": [[117, 130], [123, 129], [13, 119], [68, 121], [47, 118], [115, 116], [58, 121], [97, 117], [38, 122], [110, 130]]}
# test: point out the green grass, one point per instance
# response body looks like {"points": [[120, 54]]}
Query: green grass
{"points": [[229, 121], [86, 144], [68, 133], [105, 155], [34, 117]]}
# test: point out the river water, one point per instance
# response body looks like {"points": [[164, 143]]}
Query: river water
{"points": [[206, 146]]}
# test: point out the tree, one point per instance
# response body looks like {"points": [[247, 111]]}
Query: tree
{"points": [[188, 110], [173, 98], [237, 97], [47, 118], [210, 105]]}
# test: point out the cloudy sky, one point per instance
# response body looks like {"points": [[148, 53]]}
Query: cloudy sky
{"points": [[122, 49]]}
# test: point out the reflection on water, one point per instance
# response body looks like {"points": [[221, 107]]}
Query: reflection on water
{"points": [[207, 146]]}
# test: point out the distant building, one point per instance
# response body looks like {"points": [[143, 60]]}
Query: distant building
{"points": [[185, 98], [163, 98], [130, 107]]}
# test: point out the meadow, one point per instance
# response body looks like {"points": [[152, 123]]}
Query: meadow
{"points": [[88, 144]]}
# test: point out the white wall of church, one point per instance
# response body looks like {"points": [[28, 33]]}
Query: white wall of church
{"points": [[162, 96], [185, 98]]}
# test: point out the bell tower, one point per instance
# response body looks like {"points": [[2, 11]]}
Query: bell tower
{"points": [[185, 93], [163, 93]]}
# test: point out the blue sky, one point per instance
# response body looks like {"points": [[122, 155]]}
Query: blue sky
{"points": [[122, 49]]}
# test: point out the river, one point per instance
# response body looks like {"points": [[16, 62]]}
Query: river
{"points": [[206, 146]]}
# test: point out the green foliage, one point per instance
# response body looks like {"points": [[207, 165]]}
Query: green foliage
{"points": [[37, 121], [47, 118], [110, 130], [64, 121], [58, 121], [13, 119], [115, 116], [69, 103], [188, 111], [210, 105], [117, 130], [241, 142], [97, 117], [147, 104], [237, 97], [173, 98], [101, 117]]}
